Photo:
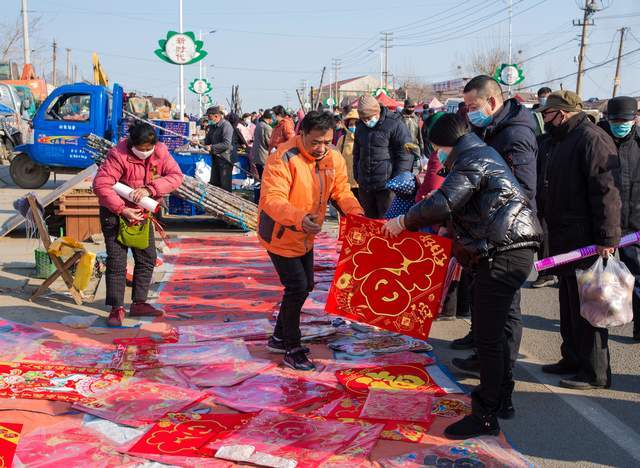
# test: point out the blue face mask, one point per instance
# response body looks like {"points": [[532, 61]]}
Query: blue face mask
{"points": [[442, 156], [479, 118], [542, 100], [372, 122], [352, 129], [620, 130]]}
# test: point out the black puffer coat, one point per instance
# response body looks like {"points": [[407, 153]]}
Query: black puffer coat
{"points": [[627, 177], [488, 209], [379, 153]]}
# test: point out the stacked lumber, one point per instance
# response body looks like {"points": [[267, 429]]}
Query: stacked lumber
{"points": [[215, 201]]}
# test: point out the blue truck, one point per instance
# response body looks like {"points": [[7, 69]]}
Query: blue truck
{"points": [[68, 114]]}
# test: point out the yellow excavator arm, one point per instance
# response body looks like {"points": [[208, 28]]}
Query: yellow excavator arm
{"points": [[99, 75]]}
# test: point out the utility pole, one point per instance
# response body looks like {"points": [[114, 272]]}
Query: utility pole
{"points": [[68, 65], [75, 73], [53, 60], [387, 38], [25, 34], [616, 80], [590, 8], [336, 69], [510, 39]]}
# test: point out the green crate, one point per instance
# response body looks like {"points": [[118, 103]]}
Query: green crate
{"points": [[44, 265]]}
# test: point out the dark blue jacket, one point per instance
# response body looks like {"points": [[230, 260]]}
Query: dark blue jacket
{"points": [[512, 133], [379, 153]]}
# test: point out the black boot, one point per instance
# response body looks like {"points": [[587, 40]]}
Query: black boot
{"points": [[466, 342], [507, 411], [482, 421]]}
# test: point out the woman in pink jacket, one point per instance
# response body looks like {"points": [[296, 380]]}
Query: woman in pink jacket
{"points": [[146, 166]]}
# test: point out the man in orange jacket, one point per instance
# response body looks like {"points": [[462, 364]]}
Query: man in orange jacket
{"points": [[298, 181]]}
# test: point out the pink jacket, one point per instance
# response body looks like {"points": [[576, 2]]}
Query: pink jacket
{"points": [[159, 173], [432, 181]]}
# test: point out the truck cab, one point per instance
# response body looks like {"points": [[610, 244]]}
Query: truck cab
{"points": [[60, 124]]}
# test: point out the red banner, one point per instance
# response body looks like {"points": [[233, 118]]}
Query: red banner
{"points": [[393, 283], [9, 436]]}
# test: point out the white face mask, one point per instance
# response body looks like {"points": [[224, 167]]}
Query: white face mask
{"points": [[247, 121], [142, 154]]}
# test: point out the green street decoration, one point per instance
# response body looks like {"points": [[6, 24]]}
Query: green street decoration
{"points": [[378, 91], [200, 86], [329, 102], [180, 48], [509, 74]]}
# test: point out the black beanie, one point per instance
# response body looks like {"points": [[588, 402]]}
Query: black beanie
{"points": [[448, 129]]}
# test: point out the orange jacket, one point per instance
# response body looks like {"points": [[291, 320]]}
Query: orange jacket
{"points": [[284, 131], [295, 184]]}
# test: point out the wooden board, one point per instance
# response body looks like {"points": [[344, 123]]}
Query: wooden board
{"points": [[16, 220]]}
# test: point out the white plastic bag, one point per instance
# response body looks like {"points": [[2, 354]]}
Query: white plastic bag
{"points": [[606, 293], [203, 171]]}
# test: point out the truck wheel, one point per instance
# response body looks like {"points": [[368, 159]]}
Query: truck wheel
{"points": [[27, 173]]}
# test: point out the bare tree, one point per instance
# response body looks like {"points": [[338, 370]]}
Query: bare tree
{"points": [[484, 61], [414, 88], [11, 38]]}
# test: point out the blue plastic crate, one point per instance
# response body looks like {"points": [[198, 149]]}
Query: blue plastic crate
{"points": [[180, 207]]}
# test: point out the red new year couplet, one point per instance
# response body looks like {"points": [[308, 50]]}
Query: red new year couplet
{"points": [[393, 283]]}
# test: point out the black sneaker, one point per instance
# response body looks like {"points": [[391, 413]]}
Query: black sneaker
{"points": [[581, 383], [445, 318], [473, 426], [277, 346], [465, 342], [470, 365], [544, 281], [561, 367], [297, 359]]}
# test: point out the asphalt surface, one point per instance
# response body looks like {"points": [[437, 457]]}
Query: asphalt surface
{"points": [[553, 426]]}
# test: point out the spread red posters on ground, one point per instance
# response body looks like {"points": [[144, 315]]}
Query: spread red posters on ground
{"points": [[179, 435], [348, 409], [225, 374], [53, 382], [478, 452], [293, 440], [64, 445], [9, 437], [398, 405], [137, 402], [358, 381], [395, 284], [258, 329], [179, 354], [273, 391]]}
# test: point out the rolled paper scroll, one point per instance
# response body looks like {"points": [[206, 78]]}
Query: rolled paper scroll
{"points": [[583, 252], [147, 203]]}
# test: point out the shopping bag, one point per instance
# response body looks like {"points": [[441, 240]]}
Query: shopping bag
{"points": [[606, 293], [135, 236]]}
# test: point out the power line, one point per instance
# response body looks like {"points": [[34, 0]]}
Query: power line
{"points": [[447, 38], [584, 71]]}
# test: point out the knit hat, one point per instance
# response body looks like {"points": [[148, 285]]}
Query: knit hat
{"points": [[622, 108], [567, 101], [367, 106]]}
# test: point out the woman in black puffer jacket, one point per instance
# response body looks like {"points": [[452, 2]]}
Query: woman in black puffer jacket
{"points": [[495, 233]]}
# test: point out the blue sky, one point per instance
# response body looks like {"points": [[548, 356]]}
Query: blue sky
{"points": [[269, 48]]}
